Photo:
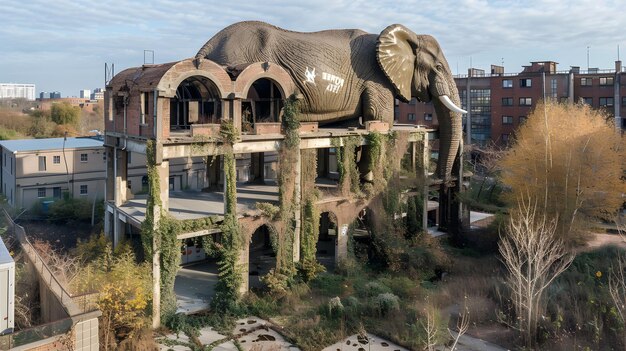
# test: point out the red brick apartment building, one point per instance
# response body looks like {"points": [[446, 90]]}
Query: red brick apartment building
{"points": [[499, 102]]}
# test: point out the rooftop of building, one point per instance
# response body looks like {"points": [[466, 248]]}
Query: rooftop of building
{"points": [[26, 145]]}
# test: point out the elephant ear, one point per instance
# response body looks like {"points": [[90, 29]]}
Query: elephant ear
{"points": [[396, 56]]}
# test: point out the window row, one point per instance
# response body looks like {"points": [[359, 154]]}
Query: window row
{"points": [[588, 81], [604, 101], [56, 159], [523, 83], [523, 101], [56, 191], [509, 119]]}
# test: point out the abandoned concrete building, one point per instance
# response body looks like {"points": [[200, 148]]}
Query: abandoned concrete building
{"points": [[173, 113]]}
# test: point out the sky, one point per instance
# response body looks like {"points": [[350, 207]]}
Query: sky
{"points": [[63, 45]]}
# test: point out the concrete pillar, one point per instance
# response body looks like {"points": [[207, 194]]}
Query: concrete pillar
{"points": [[244, 264], [163, 170], [297, 202], [341, 243], [108, 219], [110, 171], [235, 113], [424, 159], [164, 183], [119, 228], [121, 176]]}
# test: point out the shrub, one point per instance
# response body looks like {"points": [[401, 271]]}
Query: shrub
{"points": [[374, 288], [386, 303], [328, 284], [335, 307]]}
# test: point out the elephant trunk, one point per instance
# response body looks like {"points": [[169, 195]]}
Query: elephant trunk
{"points": [[450, 129]]}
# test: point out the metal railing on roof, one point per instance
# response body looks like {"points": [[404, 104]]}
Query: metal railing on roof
{"points": [[74, 304], [491, 75]]}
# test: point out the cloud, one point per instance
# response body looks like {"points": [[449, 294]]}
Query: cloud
{"points": [[71, 33]]}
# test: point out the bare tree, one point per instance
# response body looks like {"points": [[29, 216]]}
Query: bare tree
{"points": [[431, 329], [462, 324], [533, 258]]}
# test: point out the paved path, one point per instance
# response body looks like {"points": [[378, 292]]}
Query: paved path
{"points": [[251, 333]]}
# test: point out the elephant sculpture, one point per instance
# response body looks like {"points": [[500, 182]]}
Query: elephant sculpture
{"points": [[347, 74]]}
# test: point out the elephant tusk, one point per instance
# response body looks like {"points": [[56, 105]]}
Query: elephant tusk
{"points": [[450, 105]]}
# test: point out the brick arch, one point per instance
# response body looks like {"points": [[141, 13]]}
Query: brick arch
{"points": [[187, 68], [259, 70], [251, 224], [345, 212]]}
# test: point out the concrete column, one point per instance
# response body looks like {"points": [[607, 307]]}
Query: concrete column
{"points": [[297, 202], [341, 243], [121, 176], [244, 264], [163, 170], [110, 171], [108, 219], [164, 183], [119, 228], [235, 113], [425, 162]]}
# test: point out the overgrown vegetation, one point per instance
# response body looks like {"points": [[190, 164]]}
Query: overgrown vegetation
{"points": [[569, 161], [124, 288]]}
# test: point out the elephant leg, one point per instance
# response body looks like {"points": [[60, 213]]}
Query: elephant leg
{"points": [[377, 103]]}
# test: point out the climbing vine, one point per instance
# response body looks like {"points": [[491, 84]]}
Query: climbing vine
{"points": [[287, 191], [308, 266], [349, 178], [163, 229], [228, 285]]}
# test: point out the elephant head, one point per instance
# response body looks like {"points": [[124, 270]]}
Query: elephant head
{"points": [[416, 67]]}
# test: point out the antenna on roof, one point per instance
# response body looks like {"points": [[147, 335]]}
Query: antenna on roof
{"points": [[109, 72], [151, 52]]}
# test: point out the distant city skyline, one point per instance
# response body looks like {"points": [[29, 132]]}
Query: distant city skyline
{"points": [[63, 45]]}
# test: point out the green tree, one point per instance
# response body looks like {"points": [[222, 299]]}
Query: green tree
{"points": [[568, 161], [64, 113]]}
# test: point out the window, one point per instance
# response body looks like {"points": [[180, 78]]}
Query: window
{"points": [[586, 81], [588, 100], [522, 119], [507, 119], [56, 192], [428, 116], [42, 163], [413, 101], [83, 189], [505, 138], [508, 101], [56, 159], [525, 101], [41, 192], [606, 101], [128, 157], [129, 184], [410, 116], [507, 83], [526, 83], [84, 158], [553, 87], [623, 100], [606, 80]]}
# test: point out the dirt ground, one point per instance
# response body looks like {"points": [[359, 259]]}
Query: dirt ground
{"points": [[62, 237]]}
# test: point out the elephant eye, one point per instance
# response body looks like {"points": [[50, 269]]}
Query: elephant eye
{"points": [[439, 67]]}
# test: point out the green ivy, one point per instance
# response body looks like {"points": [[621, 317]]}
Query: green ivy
{"points": [[226, 297]]}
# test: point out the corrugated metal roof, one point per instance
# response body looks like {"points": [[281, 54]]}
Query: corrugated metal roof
{"points": [[22, 145]]}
